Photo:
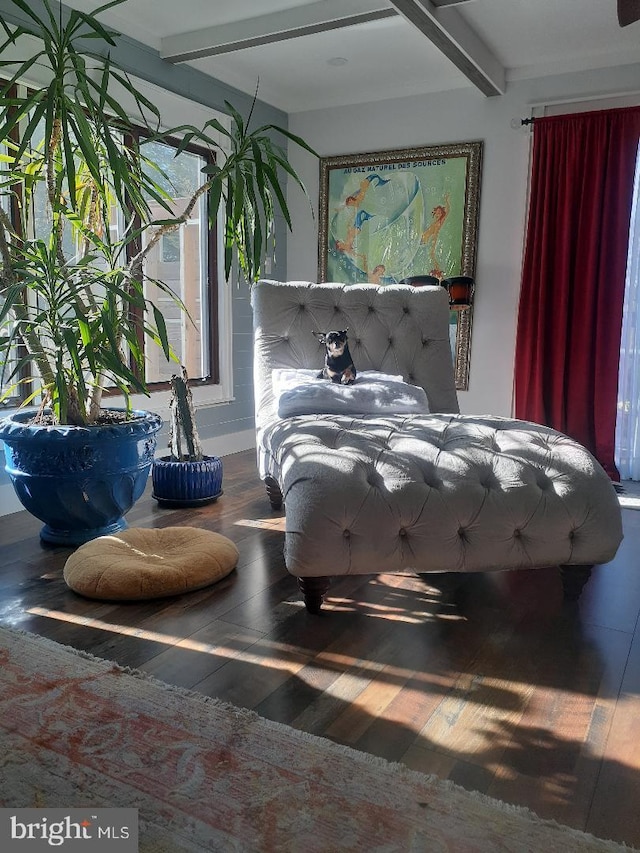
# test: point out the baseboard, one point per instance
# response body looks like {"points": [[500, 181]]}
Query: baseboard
{"points": [[234, 442], [8, 501]]}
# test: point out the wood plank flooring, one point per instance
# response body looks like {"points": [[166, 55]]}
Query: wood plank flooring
{"points": [[508, 691]]}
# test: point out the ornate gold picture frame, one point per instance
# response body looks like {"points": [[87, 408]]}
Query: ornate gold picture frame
{"points": [[389, 215]]}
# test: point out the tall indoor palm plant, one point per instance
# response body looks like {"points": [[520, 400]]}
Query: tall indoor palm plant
{"points": [[74, 308], [73, 301]]}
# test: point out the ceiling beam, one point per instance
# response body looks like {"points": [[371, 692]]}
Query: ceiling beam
{"points": [[317, 17], [438, 20], [451, 34]]}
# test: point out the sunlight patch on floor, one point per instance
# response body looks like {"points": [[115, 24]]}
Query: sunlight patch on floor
{"points": [[138, 633], [261, 652], [262, 523], [391, 614]]}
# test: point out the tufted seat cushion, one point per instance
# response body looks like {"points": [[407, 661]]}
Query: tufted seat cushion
{"points": [[139, 564], [438, 493]]}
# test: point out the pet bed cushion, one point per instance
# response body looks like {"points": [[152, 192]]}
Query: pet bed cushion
{"points": [[300, 392], [138, 564]]}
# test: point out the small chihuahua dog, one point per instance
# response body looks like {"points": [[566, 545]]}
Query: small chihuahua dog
{"points": [[338, 364]]}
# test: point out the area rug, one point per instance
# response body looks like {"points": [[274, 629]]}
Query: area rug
{"points": [[77, 732]]}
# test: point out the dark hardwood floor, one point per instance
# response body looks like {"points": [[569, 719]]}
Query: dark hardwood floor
{"points": [[509, 691]]}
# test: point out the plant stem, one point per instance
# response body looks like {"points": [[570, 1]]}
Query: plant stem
{"points": [[183, 421], [169, 227]]}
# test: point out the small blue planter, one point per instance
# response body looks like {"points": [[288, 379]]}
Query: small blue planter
{"points": [[186, 483], [79, 480]]}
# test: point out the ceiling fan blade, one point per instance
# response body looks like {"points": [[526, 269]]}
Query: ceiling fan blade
{"points": [[628, 12]]}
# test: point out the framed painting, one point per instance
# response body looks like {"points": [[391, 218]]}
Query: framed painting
{"points": [[388, 215]]}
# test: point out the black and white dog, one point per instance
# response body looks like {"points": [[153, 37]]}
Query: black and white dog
{"points": [[338, 364]]}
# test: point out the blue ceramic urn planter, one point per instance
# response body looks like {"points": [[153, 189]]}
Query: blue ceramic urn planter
{"points": [[80, 481]]}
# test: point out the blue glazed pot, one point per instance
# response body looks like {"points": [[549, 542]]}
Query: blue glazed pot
{"points": [[186, 483], [79, 480]]}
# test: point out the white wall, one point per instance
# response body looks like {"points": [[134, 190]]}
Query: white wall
{"points": [[458, 116]]}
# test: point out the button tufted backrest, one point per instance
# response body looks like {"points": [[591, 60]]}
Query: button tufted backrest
{"points": [[397, 329]]}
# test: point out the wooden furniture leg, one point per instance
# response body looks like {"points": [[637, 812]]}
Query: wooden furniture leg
{"points": [[313, 590], [573, 580], [273, 492]]}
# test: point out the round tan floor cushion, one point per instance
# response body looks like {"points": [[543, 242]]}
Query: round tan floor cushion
{"points": [[138, 564]]}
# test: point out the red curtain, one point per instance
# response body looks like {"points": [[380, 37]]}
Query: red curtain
{"points": [[570, 315]]}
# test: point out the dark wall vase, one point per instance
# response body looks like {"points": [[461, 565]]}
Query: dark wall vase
{"points": [[460, 289], [186, 483], [79, 480]]}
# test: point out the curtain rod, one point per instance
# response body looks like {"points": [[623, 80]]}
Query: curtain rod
{"points": [[578, 100]]}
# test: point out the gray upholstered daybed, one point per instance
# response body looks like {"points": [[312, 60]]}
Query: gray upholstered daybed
{"points": [[427, 492]]}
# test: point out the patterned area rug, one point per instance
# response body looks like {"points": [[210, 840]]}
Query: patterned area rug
{"points": [[78, 732]]}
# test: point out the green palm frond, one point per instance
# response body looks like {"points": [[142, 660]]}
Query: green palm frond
{"points": [[80, 312]]}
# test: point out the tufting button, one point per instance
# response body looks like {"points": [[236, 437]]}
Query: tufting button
{"points": [[402, 532], [390, 339], [346, 534], [405, 310], [516, 534], [425, 342], [303, 307], [544, 482], [371, 309]]}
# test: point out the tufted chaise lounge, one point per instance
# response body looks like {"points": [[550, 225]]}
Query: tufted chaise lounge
{"points": [[437, 492]]}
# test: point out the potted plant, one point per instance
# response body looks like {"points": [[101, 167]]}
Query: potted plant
{"points": [[72, 297], [186, 477]]}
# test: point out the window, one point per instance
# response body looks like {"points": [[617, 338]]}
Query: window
{"points": [[9, 364], [186, 261], [170, 248], [627, 446], [8, 378]]}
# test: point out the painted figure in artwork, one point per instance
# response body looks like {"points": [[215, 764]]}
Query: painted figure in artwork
{"points": [[431, 234], [377, 274], [355, 199], [348, 245]]}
